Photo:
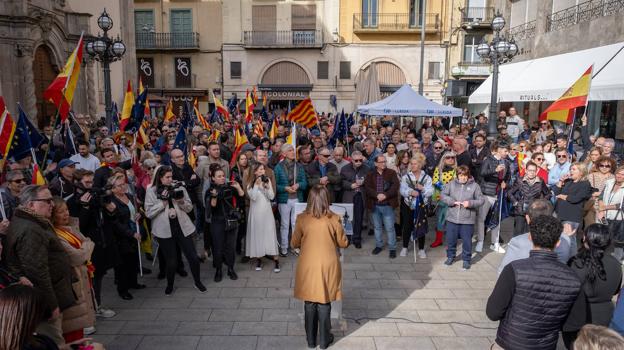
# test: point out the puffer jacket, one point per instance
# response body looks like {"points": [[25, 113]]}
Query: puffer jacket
{"points": [[490, 179], [455, 191], [522, 194]]}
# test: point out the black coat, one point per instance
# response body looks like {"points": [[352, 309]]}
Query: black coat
{"points": [[532, 299], [313, 171], [477, 161], [121, 226], [594, 305], [490, 179], [104, 172], [522, 194], [347, 175], [578, 193], [185, 175]]}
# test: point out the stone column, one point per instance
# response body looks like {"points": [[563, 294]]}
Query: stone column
{"points": [[91, 89], [29, 99]]}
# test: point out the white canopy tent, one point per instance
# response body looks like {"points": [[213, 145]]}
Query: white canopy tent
{"points": [[407, 102], [547, 78]]}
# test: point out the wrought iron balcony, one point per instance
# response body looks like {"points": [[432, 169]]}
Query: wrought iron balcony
{"points": [[477, 17], [167, 41], [523, 31], [583, 12], [283, 39], [394, 22]]}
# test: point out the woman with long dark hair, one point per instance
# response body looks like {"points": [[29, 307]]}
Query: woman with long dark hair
{"points": [[318, 278], [168, 206], [224, 218], [601, 277]]}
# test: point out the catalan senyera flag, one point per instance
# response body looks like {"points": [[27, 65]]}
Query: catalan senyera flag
{"points": [[126, 110], [562, 109], [216, 134], [259, 128], [304, 114], [239, 140], [249, 106], [7, 130], [169, 116], [61, 90], [220, 108]]}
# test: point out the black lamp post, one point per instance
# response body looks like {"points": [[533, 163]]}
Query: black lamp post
{"points": [[106, 49], [499, 50]]}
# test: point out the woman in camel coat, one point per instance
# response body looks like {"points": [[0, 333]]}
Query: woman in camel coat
{"points": [[318, 279], [79, 248]]}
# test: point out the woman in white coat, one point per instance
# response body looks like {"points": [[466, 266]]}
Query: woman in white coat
{"points": [[168, 207], [261, 234]]}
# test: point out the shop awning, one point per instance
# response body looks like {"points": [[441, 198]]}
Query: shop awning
{"points": [[547, 78]]}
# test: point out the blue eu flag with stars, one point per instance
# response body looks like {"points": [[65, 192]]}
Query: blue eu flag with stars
{"points": [[26, 137]]}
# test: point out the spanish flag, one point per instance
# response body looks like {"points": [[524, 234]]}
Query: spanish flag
{"points": [[562, 109], [249, 107], [304, 114], [274, 126], [37, 177], [169, 116], [7, 130], [220, 108], [239, 140], [61, 90], [126, 110]]}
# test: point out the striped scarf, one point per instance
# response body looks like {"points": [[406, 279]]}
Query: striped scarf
{"points": [[74, 241]]}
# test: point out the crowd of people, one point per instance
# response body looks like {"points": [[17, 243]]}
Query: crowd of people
{"points": [[113, 203]]}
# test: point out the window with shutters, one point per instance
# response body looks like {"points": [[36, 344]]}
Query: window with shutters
{"points": [[322, 68], [303, 24], [470, 48], [434, 70], [369, 13], [415, 14], [181, 28], [345, 69], [264, 24], [144, 29], [235, 70]]}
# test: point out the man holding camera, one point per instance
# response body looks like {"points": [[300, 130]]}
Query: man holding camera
{"points": [[62, 185]]}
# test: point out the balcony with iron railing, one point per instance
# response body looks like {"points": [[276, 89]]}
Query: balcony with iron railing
{"points": [[283, 39], [477, 17], [394, 22], [523, 31], [167, 41], [583, 12]]}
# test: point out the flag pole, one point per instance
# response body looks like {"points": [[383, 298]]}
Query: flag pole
{"points": [[45, 155], [571, 133]]}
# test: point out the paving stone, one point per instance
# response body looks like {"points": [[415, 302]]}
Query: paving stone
{"points": [[372, 329], [407, 284], [167, 302], [357, 267], [376, 275], [243, 292], [474, 343], [171, 342], [362, 283], [413, 304], [382, 293], [436, 316], [109, 326], [393, 267], [445, 284], [430, 294], [281, 342], [227, 343], [236, 315], [354, 343], [184, 315], [470, 294], [462, 304], [259, 328], [264, 303], [424, 329], [479, 330], [482, 284], [404, 343], [149, 327], [217, 303], [119, 342], [136, 314], [282, 315], [204, 328], [269, 282], [296, 328], [393, 316], [418, 275], [194, 293], [279, 292], [365, 304]]}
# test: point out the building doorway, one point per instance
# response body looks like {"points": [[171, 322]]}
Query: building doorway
{"points": [[44, 72]]}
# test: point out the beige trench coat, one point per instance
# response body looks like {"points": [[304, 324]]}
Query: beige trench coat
{"points": [[318, 276]]}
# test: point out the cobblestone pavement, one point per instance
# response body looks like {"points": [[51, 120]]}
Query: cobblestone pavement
{"points": [[388, 304]]}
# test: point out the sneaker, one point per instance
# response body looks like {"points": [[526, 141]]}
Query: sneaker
{"points": [[105, 313], [377, 250], [296, 251], [479, 247], [466, 265], [200, 287], [403, 252], [284, 252], [277, 268], [449, 261], [497, 248], [422, 254], [259, 265], [88, 330], [392, 254]]}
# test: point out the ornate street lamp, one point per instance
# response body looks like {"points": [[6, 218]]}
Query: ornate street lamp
{"points": [[106, 49], [497, 51]]}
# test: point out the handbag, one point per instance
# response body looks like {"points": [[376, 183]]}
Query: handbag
{"points": [[232, 218], [616, 226], [430, 208]]}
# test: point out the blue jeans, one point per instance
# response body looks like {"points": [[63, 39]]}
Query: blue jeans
{"points": [[459, 231], [385, 214]]}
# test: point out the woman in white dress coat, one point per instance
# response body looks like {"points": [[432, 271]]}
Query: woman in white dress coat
{"points": [[261, 234]]}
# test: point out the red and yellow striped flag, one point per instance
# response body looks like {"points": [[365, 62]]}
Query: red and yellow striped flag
{"points": [[239, 140], [562, 109], [37, 177], [274, 126], [249, 106], [259, 128], [200, 117], [61, 90], [7, 130], [126, 110], [304, 114], [220, 108], [169, 116]]}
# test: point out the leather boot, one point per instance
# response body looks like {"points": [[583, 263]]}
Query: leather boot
{"points": [[311, 323], [218, 275], [438, 240], [232, 274], [324, 317]]}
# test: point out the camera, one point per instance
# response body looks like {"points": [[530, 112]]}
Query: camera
{"points": [[102, 196], [174, 191], [264, 178]]}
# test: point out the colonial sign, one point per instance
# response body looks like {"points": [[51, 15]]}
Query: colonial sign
{"points": [[183, 71], [285, 91], [146, 70]]}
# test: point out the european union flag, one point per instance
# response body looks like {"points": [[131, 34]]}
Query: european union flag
{"points": [[138, 113], [350, 121], [180, 140], [340, 129], [232, 103], [25, 138]]}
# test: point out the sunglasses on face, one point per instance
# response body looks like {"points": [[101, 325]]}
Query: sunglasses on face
{"points": [[437, 147], [47, 200], [604, 166], [18, 181], [562, 156], [324, 155], [539, 159]]}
